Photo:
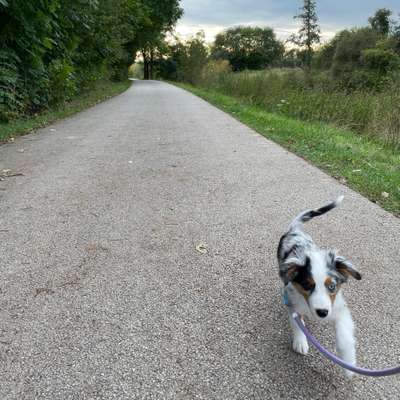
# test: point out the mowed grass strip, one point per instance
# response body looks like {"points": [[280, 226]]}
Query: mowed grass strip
{"points": [[100, 91], [362, 163]]}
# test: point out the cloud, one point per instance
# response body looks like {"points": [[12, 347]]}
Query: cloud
{"points": [[212, 16]]}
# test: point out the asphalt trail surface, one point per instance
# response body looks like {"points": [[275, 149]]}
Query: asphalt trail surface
{"points": [[103, 294]]}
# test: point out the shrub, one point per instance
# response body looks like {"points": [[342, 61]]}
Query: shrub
{"points": [[62, 80], [380, 60], [10, 97], [348, 51]]}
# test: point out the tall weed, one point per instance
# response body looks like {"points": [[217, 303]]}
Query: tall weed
{"points": [[316, 98]]}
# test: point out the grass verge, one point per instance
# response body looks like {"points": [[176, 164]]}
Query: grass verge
{"points": [[362, 163], [100, 91]]}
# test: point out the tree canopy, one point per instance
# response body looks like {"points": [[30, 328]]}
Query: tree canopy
{"points": [[50, 49], [247, 47], [380, 22]]}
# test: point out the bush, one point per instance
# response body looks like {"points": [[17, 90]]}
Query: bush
{"points": [[349, 48], [380, 60], [62, 81], [10, 95]]}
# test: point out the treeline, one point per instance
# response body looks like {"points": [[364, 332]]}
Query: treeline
{"points": [[50, 50], [367, 57], [235, 49], [358, 58]]}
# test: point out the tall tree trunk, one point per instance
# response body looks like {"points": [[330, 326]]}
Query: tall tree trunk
{"points": [[145, 66], [151, 64]]}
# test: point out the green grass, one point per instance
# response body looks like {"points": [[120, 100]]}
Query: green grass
{"points": [[100, 91], [315, 99], [366, 164]]}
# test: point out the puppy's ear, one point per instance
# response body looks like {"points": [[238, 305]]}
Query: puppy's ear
{"points": [[346, 268], [289, 269]]}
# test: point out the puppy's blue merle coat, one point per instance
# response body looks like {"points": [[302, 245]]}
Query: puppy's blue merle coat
{"points": [[312, 279]]}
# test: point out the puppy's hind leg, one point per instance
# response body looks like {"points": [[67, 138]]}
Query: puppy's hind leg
{"points": [[299, 340], [345, 342]]}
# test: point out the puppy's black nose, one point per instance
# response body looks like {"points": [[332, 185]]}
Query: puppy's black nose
{"points": [[322, 313]]}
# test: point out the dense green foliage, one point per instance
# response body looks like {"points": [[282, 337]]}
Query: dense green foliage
{"points": [[235, 49], [150, 41], [380, 22], [363, 58], [51, 49], [247, 47], [181, 61], [190, 58]]}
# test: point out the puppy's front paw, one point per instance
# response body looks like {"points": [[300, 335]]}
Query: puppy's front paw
{"points": [[300, 345]]}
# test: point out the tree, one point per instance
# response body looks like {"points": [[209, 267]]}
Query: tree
{"points": [[310, 32], [349, 47], [184, 60], [160, 18], [324, 56], [191, 57], [380, 22], [247, 47]]}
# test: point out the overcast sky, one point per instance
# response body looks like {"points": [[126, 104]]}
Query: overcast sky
{"points": [[212, 16]]}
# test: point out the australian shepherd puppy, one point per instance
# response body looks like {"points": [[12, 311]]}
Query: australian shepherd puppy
{"points": [[313, 278]]}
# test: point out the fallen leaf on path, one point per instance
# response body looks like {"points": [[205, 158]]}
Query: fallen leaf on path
{"points": [[70, 283], [7, 173], [43, 290], [21, 150], [201, 248], [94, 247]]}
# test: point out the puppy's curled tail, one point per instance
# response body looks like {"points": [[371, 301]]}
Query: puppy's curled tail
{"points": [[310, 214]]}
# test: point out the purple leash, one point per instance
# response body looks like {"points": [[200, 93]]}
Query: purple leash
{"points": [[339, 361]]}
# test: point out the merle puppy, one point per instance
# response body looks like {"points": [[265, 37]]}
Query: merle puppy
{"points": [[313, 277]]}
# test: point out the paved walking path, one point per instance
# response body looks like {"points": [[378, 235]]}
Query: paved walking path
{"points": [[103, 294]]}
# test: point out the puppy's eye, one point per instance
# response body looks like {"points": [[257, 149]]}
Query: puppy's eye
{"points": [[332, 287]]}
